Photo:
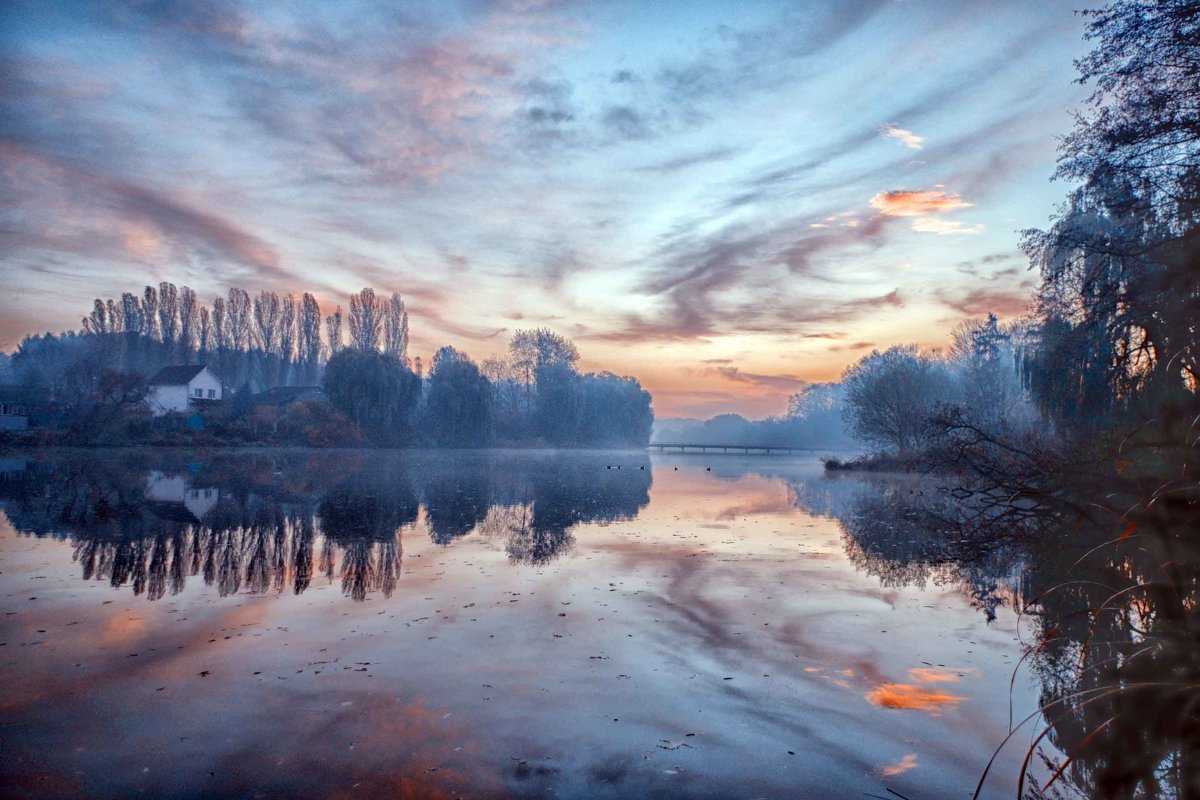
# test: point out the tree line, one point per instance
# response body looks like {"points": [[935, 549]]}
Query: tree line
{"points": [[258, 341], [96, 377]]}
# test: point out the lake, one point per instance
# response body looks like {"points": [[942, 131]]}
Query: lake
{"points": [[498, 624]]}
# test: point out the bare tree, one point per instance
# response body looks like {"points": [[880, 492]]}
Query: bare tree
{"points": [[891, 397], [115, 321], [366, 320], [131, 313], [266, 322], [333, 330], [220, 325], [287, 328], [395, 328], [97, 323], [238, 314], [150, 314], [187, 320], [308, 336], [204, 331], [168, 311]]}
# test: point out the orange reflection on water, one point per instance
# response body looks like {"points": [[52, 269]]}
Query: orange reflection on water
{"points": [[911, 696], [933, 675], [900, 767]]}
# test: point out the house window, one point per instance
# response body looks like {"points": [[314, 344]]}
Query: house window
{"points": [[212, 394], [199, 392]]}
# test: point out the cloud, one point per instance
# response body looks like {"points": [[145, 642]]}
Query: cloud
{"points": [[717, 154], [785, 382], [90, 214], [945, 227], [977, 302], [626, 122], [908, 138], [905, 203]]}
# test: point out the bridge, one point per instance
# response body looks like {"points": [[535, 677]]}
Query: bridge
{"points": [[691, 447]]}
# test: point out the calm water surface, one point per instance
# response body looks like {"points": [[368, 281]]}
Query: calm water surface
{"points": [[490, 624]]}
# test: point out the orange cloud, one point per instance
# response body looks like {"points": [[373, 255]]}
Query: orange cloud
{"points": [[904, 203], [903, 765], [912, 697]]}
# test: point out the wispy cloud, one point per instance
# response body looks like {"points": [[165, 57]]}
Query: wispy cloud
{"points": [[785, 382], [907, 138], [944, 227]]}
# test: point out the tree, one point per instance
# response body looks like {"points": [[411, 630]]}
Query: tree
{"points": [[188, 321], [366, 320], [395, 329], [308, 337], [613, 412], [1119, 301], [333, 331], [540, 347], [150, 327], [204, 333], [559, 402], [237, 312], [220, 325], [376, 392], [983, 357], [891, 397], [168, 312], [458, 406], [266, 322]]}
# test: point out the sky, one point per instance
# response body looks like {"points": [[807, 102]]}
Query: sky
{"points": [[727, 201]]}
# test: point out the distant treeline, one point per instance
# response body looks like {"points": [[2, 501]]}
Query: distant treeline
{"points": [[91, 384], [813, 420]]}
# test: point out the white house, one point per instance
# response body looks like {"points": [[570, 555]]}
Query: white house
{"points": [[183, 387], [176, 493]]}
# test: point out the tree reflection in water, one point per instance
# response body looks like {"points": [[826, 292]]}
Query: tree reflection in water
{"points": [[268, 522], [1109, 599], [1113, 600]]}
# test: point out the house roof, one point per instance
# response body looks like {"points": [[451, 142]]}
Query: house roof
{"points": [[282, 395], [176, 376]]}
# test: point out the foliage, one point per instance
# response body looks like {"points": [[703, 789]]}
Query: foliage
{"points": [[458, 405], [376, 392], [892, 396]]}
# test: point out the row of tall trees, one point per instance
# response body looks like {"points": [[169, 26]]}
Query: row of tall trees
{"points": [[258, 340]]}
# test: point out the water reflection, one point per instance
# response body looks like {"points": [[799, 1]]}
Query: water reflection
{"points": [[1114, 601], [1112, 634], [272, 522]]}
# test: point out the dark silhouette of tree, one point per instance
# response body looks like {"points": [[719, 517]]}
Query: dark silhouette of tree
{"points": [[366, 320], [458, 405], [377, 393], [891, 397]]}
